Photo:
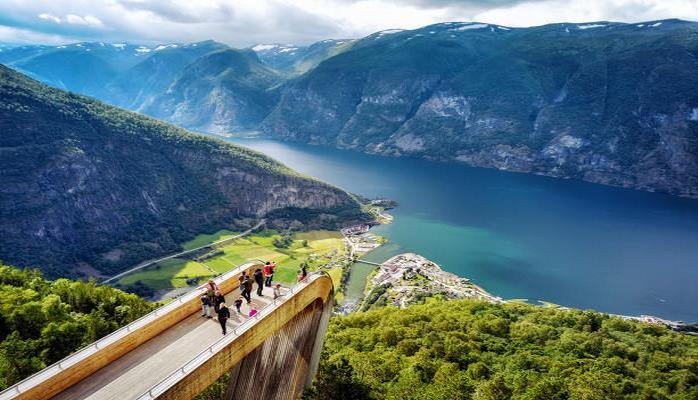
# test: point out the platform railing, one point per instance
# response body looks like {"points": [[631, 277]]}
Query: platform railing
{"points": [[181, 372], [42, 376]]}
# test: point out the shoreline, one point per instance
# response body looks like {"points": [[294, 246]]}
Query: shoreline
{"points": [[398, 280], [458, 286]]}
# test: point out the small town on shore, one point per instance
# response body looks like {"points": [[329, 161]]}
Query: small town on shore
{"points": [[408, 278]]}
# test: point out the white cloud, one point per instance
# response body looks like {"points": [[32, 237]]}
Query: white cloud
{"points": [[550, 11], [248, 22], [86, 20], [49, 17]]}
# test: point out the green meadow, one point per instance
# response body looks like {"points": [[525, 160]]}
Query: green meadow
{"points": [[204, 239], [316, 248]]}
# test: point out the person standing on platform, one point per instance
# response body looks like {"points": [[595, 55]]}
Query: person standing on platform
{"points": [[303, 273], [211, 288], [218, 299], [246, 289], [223, 315], [259, 278], [205, 306], [268, 273]]}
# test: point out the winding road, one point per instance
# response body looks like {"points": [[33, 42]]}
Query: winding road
{"points": [[148, 263]]}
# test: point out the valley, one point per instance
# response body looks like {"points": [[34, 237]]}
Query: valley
{"points": [[485, 211]]}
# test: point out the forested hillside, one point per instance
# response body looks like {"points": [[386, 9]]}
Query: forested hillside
{"points": [[90, 188], [475, 350], [43, 321]]}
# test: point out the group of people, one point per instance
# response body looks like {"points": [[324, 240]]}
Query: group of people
{"points": [[213, 299]]}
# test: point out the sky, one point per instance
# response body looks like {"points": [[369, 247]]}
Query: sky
{"points": [[243, 23]]}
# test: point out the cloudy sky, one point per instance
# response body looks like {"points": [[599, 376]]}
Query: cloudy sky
{"points": [[247, 22]]}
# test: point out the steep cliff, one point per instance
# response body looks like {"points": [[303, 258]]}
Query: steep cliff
{"points": [[605, 102], [84, 184]]}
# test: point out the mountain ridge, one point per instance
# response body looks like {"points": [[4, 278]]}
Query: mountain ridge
{"points": [[606, 102], [89, 186], [559, 100]]}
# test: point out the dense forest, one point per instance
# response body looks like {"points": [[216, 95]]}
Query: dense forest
{"points": [[43, 321], [475, 350]]}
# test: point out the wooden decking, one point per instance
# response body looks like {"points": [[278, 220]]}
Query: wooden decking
{"points": [[137, 371]]}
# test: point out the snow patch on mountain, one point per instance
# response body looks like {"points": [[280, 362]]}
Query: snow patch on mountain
{"points": [[263, 47], [469, 26], [165, 46], [387, 32], [590, 26]]}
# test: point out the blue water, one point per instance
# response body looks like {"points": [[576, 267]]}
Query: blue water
{"points": [[525, 236]]}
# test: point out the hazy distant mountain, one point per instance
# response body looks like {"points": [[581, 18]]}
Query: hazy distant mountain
{"points": [[221, 92], [194, 85], [81, 67], [136, 87], [299, 59], [124, 74], [605, 102], [86, 185]]}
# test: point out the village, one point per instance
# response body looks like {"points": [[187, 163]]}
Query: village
{"points": [[360, 240], [407, 278]]}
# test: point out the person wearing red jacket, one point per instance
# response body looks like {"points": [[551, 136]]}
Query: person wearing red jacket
{"points": [[268, 273]]}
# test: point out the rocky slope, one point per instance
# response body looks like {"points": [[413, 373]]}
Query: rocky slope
{"points": [[605, 102], [86, 185]]}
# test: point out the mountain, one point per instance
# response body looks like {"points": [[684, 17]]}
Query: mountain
{"points": [[122, 74], [604, 102], [220, 92], [80, 67], [88, 187], [136, 87], [295, 60]]}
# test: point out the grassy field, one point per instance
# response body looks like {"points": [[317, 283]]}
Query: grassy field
{"points": [[171, 273], [316, 248], [204, 239]]}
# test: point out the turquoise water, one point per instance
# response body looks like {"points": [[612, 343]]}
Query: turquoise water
{"points": [[525, 236]]}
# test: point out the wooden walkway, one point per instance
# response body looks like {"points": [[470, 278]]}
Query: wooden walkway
{"points": [[137, 371]]}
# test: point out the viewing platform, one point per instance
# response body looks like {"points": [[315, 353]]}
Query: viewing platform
{"points": [[175, 353]]}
